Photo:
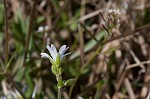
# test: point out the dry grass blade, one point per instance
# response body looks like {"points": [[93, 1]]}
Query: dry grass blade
{"points": [[129, 88], [137, 64]]}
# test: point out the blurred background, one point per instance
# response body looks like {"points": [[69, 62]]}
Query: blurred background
{"points": [[121, 70]]}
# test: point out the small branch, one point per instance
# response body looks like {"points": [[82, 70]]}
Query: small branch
{"points": [[132, 32], [85, 17], [137, 64], [29, 30], [6, 33]]}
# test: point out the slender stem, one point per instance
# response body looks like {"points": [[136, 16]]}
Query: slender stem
{"points": [[6, 33], [59, 77], [59, 93], [92, 58]]}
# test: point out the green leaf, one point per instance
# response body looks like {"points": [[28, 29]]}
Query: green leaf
{"points": [[40, 19], [29, 82], [60, 71], [54, 70], [8, 64], [60, 84], [69, 82], [20, 74]]}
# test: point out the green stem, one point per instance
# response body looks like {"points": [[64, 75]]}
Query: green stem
{"points": [[59, 93], [92, 58], [59, 78]]}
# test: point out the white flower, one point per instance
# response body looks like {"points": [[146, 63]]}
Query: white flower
{"points": [[55, 56], [114, 16], [114, 11], [42, 28]]}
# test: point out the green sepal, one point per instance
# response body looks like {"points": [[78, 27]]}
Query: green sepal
{"points": [[58, 61], [60, 84], [54, 70], [69, 82], [60, 70], [52, 61]]}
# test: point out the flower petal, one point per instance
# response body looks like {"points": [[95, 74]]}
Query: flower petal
{"points": [[62, 56], [45, 55], [52, 50], [62, 49]]}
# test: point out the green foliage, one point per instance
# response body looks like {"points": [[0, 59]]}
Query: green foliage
{"points": [[99, 76], [19, 27], [69, 82]]}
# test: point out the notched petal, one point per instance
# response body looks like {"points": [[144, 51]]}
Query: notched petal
{"points": [[54, 51], [62, 49], [50, 50], [45, 55]]}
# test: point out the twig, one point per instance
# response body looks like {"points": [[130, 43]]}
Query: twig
{"points": [[125, 71], [134, 56], [137, 64], [89, 15], [129, 88], [29, 31], [144, 27], [81, 44], [6, 33]]}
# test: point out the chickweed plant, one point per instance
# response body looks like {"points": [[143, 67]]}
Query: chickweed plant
{"points": [[56, 58]]}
